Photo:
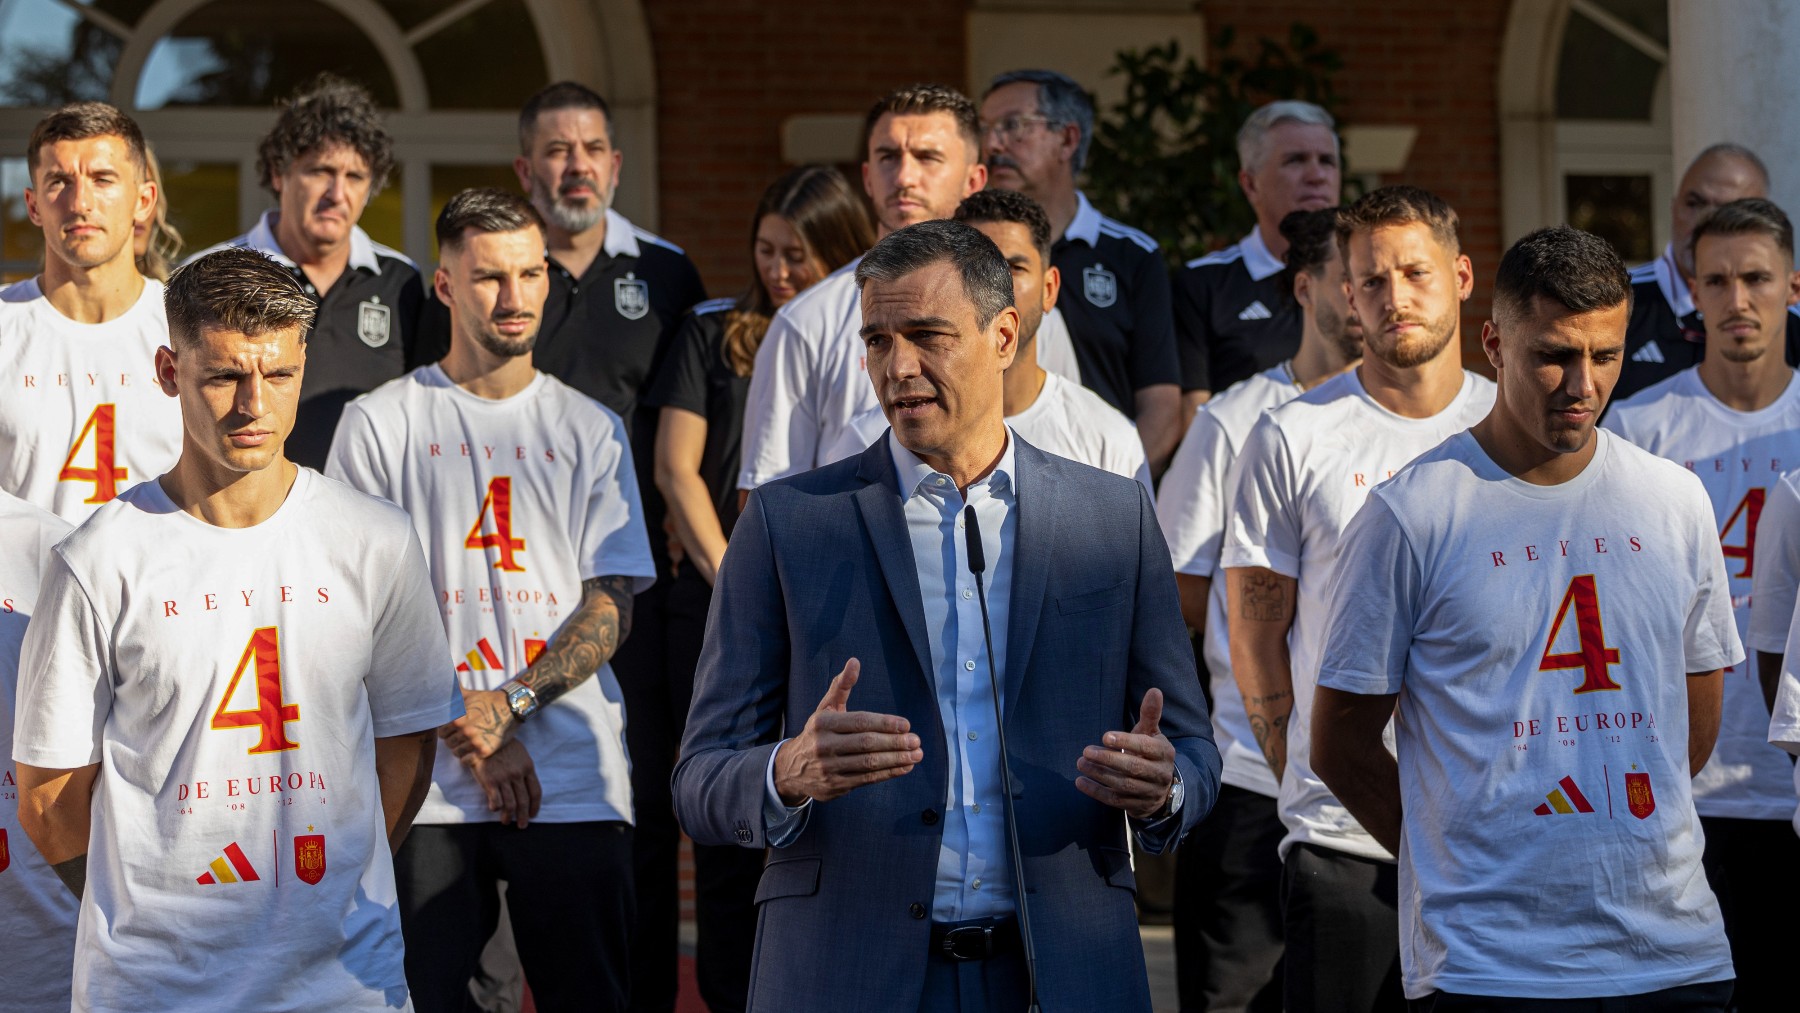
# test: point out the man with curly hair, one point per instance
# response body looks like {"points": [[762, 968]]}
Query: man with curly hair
{"points": [[326, 157]]}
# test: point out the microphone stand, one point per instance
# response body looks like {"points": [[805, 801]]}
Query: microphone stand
{"points": [[978, 566]]}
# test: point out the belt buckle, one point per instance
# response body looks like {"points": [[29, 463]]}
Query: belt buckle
{"points": [[971, 942]]}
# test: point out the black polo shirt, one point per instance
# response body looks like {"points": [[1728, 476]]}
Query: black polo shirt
{"points": [[697, 376], [1115, 300], [1665, 334], [1231, 317], [366, 333]]}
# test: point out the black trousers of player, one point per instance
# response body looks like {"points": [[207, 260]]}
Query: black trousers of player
{"points": [[655, 667], [1228, 908], [1343, 933], [567, 890], [1754, 869], [1711, 997]]}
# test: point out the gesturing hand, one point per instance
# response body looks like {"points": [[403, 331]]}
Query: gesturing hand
{"points": [[509, 777], [1135, 769], [840, 749]]}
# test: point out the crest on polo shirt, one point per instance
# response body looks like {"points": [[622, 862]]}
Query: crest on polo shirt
{"points": [[631, 296], [374, 322], [1100, 286]]}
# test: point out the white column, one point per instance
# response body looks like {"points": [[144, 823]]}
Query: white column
{"points": [[1735, 76]]}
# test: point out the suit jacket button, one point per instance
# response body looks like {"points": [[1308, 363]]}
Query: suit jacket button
{"points": [[929, 817], [917, 909]]}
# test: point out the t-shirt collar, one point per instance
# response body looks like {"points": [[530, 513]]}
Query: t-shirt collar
{"points": [[1674, 287], [918, 478], [621, 239], [1257, 258], [261, 238], [1086, 226]]}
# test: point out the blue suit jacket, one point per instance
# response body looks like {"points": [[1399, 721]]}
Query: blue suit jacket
{"points": [[821, 570]]}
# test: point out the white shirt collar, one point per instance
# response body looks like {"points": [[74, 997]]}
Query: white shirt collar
{"points": [[1674, 287], [916, 476], [261, 238], [1086, 226], [1257, 258], [621, 236]]}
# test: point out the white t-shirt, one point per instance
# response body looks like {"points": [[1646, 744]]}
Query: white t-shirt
{"points": [[81, 416], [517, 501], [1056, 350], [1303, 473], [1539, 638], [231, 684], [1196, 493], [1775, 584], [37, 912], [1738, 457]]}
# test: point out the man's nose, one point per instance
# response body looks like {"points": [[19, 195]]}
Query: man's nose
{"points": [[250, 397]]}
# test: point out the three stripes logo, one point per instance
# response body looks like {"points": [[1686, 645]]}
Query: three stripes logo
{"points": [[231, 867], [1564, 800], [484, 658], [1651, 352], [1255, 311]]}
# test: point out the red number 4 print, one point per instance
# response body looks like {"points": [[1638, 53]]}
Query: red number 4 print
{"points": [[1593, 656], [262, 657]]}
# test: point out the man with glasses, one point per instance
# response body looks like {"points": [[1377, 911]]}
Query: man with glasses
{"points": [[1036, 126]]}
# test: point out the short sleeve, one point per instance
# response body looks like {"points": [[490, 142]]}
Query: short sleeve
{"points": [[411, 680], [1775, 569], [66, 676], [1709, 636], [781, 419], [1374, 605], [1263, 527], [355, 457], [613, 540], [1784, 722], [1191, 305], [1191, 509], [681, 382], [1153, 358]]}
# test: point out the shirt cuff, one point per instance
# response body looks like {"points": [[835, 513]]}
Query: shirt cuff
{"points": [[782, 823]]}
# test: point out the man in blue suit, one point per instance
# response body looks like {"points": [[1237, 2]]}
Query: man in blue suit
{"points": [[890, 882]]}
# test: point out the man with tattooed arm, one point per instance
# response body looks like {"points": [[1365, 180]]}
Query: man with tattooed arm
{"points": [[524, 494]]}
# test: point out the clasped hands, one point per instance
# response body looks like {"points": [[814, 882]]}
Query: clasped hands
{"points": [[483, 740], [840, 750]]}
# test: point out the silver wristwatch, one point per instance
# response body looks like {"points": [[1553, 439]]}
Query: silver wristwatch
{"points": [[1173, 805], [521, 698]]}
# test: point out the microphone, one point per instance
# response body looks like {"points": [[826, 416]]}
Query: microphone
{"points": [[978, 566]]}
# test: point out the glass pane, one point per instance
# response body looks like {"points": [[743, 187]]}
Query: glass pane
{"points": [[449, 180], [1648, 16], [237, 53], [384, 218], [1615, 208], [461, 71], [203, 201], [50, 55], [21, 244], [1601, 77]]}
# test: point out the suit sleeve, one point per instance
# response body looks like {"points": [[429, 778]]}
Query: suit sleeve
{"points": [[1162, 657], [740, 694]]}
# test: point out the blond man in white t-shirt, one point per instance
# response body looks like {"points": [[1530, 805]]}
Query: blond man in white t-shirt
{"points": [[82, 419], [523, 491], [1304, 471], [230, 693], [1548, 608]]}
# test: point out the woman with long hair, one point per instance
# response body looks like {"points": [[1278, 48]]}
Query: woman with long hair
{"points": [[156, 244], [809, 223]]}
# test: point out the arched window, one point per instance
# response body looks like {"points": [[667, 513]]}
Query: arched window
{"points": [[202, 78]]}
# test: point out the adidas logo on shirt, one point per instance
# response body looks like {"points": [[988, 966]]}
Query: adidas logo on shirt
{"points": [[1649, 353], [1558, 802], [1255, 311], [222, 872]]}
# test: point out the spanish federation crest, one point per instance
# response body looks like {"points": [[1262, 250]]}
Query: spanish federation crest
{"points": [[309, 858], [1099, 285], [631, 296], [374, 322], [1638, 796]]}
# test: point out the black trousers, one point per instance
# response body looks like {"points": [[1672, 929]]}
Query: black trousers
{"points": [[568, 892], [1711, 997], [655, 668], [1228, 908], [1343, 933], [1754, 869]]}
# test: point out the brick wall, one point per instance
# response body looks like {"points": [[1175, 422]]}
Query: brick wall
{"points": [[1423, 63]]}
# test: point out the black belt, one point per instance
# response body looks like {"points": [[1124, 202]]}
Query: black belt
{"points": [[977, 940]]}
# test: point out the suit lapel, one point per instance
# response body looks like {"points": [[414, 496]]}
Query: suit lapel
{"points": [[879, 503], [1036, 537]]}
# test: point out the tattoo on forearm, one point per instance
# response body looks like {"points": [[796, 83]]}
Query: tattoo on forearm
{"points": [[1265, 598], [588, 640], [1271, 737], [73, 873]]}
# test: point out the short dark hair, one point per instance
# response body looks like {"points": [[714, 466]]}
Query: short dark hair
{"points": [[484, 209], [327, 110], [79, 121], [1312, 240], [1749, 216], [1577, 270], [920, 100], [234, 289], [1008, 206], [562, 95], [986, 278], [1060, 101], [1398, 205]]}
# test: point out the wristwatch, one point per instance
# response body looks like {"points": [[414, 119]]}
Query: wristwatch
{"points": [[524, 700], [1173, 805]]}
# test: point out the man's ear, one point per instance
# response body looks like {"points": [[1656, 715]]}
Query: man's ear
{"points": [[1052, 288], [165, 370], [1006, 329], [1303, 293], [1490, 343]]}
